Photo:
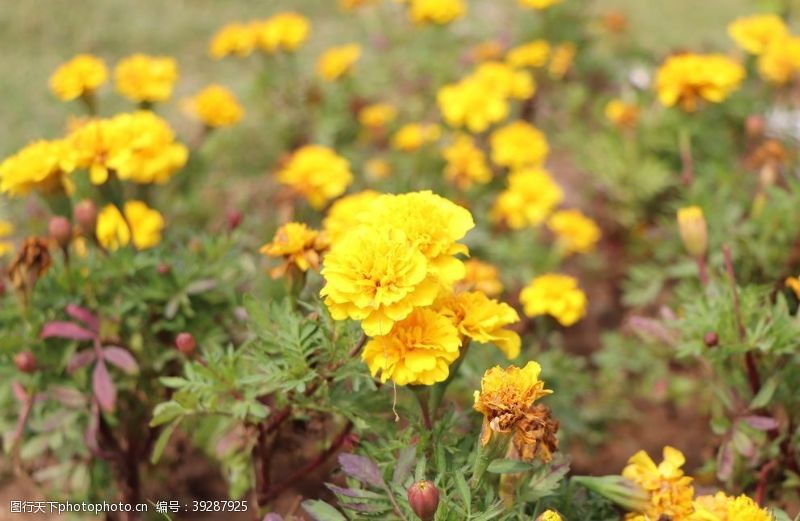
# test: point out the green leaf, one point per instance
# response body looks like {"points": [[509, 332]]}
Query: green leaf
{"points": [[463, 490], [163, 438], [322, 511], [405, 462], [165, 413], [508, 466], [766, 393]]}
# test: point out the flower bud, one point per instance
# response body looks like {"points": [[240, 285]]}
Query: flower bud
{"points": [[185, 343], [711, 339], [234, 219], [694, 230], [25, 361], [163, 268], [423, 496], [86, 216], [549, 515], [60, 230]]}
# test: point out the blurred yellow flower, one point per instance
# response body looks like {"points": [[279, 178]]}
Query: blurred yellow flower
{"points": [[377, 168], [556, 295], [685, 79], [283, 32], [482, 319], [338, 61], [466, 163], [317, 173], [622, 114], [140, 223], [40, 165], [480, 276], [376, 276], [468, 103], [549, 515], [793, 283], [145, 78], [721, 507], [345, 213], [298, 245], [431, 223], [349, 5], [756, 33], [150, 153], [488, 50], [533, 54], [413, 136], [418, 350], [561, 60], [781, 61], [440, 12], [234, 39], [215, 106], [94, 143], [518, 145], [669, 489], [529, 199], [504, 79], [575, 233], [693, 229], [506, 396], [538, 4], [80, 76], [6, 229], [377, 115]]}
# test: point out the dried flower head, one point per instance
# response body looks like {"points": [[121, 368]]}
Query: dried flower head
{"points": [[31, 263]]}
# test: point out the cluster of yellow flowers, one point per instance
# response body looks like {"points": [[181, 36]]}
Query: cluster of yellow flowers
{"points": [[670, 493], [136, 223], [687, 79], [285, 31], [768, 37]]}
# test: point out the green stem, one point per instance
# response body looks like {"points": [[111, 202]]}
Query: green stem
{"points": [[438, 390]]}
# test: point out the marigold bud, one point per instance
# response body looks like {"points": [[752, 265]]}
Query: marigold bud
{"points": [[711, 339], [163, 268], [25, 361], [694, 230], [234, 220], [754, 126], [86, 216], [423, 496], [60, 230], [185, 343]]}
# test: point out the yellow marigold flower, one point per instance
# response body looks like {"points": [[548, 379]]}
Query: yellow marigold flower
{"points": [[533, 54], [506, 396], [575, 233], [6, 229], [216, 107], [418, 350], [298, 245], [41, 165], [501, 77], [140, 223], [519, 145], [669, 489], [430, 223], [488, 50], [480, 276], [413, 136], [440, 12], [538, 4], [146, 78], [685, 79], [466, 163], [756, 33], [721, 507], [377, 168], [556, 295], [693, 229], [530, 198], [781, 61], [338, 61], [482, 319], [234, 39], [793, 283], [345, 213], [377, 115], [350, 5], [80, 76], [549, 515], [376, 276], [470, 104], [317, 173], [561, 60], [283, 32], [621, 113], [94, 144]]}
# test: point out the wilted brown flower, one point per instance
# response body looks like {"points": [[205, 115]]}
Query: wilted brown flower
{"points": [[535, 436], [30, 264], [770, 153]]}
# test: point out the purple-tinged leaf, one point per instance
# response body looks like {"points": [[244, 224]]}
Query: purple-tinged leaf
{"points": [[352, 492], [649, 327], [80, 359], [725, 461], [362, 469], [55, 420], [121, 358], [67, 396], [84, 315], [761, 423], [91, 436], [66, 330], [103, 387], [19, 392]]}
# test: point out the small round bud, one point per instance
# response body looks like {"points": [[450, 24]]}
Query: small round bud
{"points": [[693, 230], [234, 219], [163, 268], [86, 216], [185, 343], [711, 339], [423, 496], [25, 361], [60, 230], [754, 126]]}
